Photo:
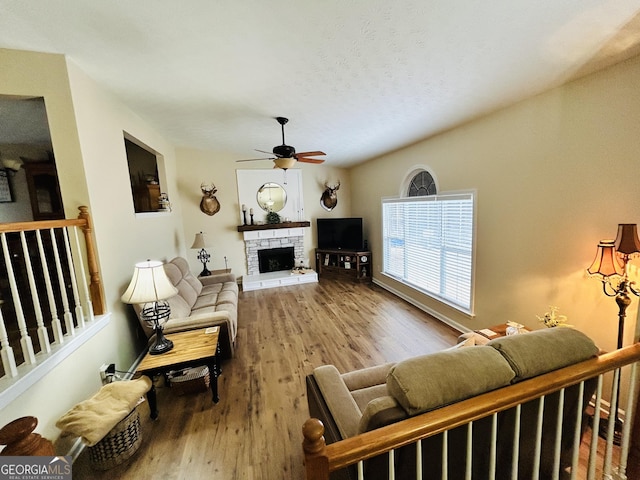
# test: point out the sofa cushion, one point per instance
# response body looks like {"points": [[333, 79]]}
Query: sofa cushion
{"points": [[187, 276], [179, 308], [543, 351], [427, 382]]}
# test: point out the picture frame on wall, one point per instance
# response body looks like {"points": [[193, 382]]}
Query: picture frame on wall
{"points": [[5, 187]]}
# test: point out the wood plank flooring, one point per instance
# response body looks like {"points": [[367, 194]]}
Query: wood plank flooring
{"points": [[254, 432]]}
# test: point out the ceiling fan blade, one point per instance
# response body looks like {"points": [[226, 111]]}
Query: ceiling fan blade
{"points": [[310, 160], [262, 151], [255, 159], [310, 154]]}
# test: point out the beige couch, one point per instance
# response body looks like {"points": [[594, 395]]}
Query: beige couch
{"points": [[201, 302], [363, 400]]}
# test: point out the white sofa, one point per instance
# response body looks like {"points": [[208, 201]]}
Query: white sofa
{"points": [[201, 302]]}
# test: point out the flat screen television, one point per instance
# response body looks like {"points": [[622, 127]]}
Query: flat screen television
{"points": [[340, 234]]}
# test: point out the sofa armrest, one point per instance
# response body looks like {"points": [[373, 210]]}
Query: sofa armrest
{"points": [[343, 408], [381, 411], [218, 278]]}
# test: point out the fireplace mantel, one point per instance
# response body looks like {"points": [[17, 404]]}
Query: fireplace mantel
{"points": [[272, 226]]}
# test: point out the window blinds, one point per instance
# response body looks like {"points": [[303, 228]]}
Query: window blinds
{"points": [[428, 244]]}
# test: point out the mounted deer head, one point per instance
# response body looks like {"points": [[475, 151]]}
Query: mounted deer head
{"points": [[209, 203], [329, 198]]}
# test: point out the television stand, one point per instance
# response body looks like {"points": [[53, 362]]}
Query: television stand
{"points": [[346, 264]]}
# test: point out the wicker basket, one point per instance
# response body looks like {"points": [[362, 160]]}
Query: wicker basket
{"points": [[119, 444], [189, 380]]}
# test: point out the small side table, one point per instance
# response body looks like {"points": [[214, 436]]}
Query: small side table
{"points": [[221, 271], [190, 349]]}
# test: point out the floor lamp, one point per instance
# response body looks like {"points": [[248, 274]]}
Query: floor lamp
{"points": [[611, 262]]}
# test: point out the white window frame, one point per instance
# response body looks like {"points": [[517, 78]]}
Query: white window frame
{"points": [[418, 244]]}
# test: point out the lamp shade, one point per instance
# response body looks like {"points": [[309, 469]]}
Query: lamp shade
{"points": [[201, 241], [606, 262], [149, 284], [627, 241]]}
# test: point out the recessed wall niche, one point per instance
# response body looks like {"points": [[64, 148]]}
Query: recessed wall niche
{"points": [[146, 185]]}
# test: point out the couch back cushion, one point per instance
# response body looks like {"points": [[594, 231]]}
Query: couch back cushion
{"points": [[427, 382], [175, 271], [542, 351], [187, 276]]}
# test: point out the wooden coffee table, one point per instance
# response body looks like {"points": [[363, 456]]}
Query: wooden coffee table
{"points": [[190, 348]]}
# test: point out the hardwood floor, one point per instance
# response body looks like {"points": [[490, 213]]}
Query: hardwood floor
{"points": [[254, 432]]}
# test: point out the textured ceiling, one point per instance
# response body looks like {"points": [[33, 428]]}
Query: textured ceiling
{"points": [[356, 78]]}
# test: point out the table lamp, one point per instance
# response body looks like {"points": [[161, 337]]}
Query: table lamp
{"points": [[201, 241], [150, 287]]}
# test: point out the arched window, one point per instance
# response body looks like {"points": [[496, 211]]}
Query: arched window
{"points": [[422, 184]]}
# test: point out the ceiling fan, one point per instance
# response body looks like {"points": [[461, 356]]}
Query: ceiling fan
{"points": [[285, 155]]}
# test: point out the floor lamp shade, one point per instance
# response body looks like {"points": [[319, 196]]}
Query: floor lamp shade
{"points": [[627, 241], [606, 263]]}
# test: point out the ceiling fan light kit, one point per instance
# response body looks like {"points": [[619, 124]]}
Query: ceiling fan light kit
{"points": [[284, 163], [285, 155]]}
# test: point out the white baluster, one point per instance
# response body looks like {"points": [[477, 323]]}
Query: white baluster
{"points": [[494, 443], [83, 277], [25, 340], [56, 326], [74, 283], [43, 335], [611, 424], [469, 460], [628, 420], [577, 433], [419, 459], [68, 318], [516, 442], [535, 475], [445, 455], [593, 451], [360, 470], [392, 465], [557, 444], [8, 358]]}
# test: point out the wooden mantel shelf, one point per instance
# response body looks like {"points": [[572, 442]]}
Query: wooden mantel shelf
{"points": [[272, 226]]}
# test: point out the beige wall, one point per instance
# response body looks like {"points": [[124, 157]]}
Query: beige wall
{"points": [[554, 175], [87, 128], [197, 166]]}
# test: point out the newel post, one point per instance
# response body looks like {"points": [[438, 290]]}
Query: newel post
{"points": [[314, 447], [96, 289]]}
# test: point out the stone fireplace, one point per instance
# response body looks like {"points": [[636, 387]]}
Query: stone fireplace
{"points": [[280, 247]]}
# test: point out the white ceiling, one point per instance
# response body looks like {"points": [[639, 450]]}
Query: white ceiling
{"points": [[356, 78]]}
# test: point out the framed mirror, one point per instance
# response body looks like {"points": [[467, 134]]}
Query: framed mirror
{"points": [[271, 197]]}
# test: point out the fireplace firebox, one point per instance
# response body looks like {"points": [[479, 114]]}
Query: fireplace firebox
{"points": [[276, 259]]}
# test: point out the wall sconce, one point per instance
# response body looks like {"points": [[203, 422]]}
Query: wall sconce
{"points": [[612, 259], [202, 241]]}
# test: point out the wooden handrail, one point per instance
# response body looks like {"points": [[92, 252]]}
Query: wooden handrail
{"points": [[370, 444], [83, 221]]}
